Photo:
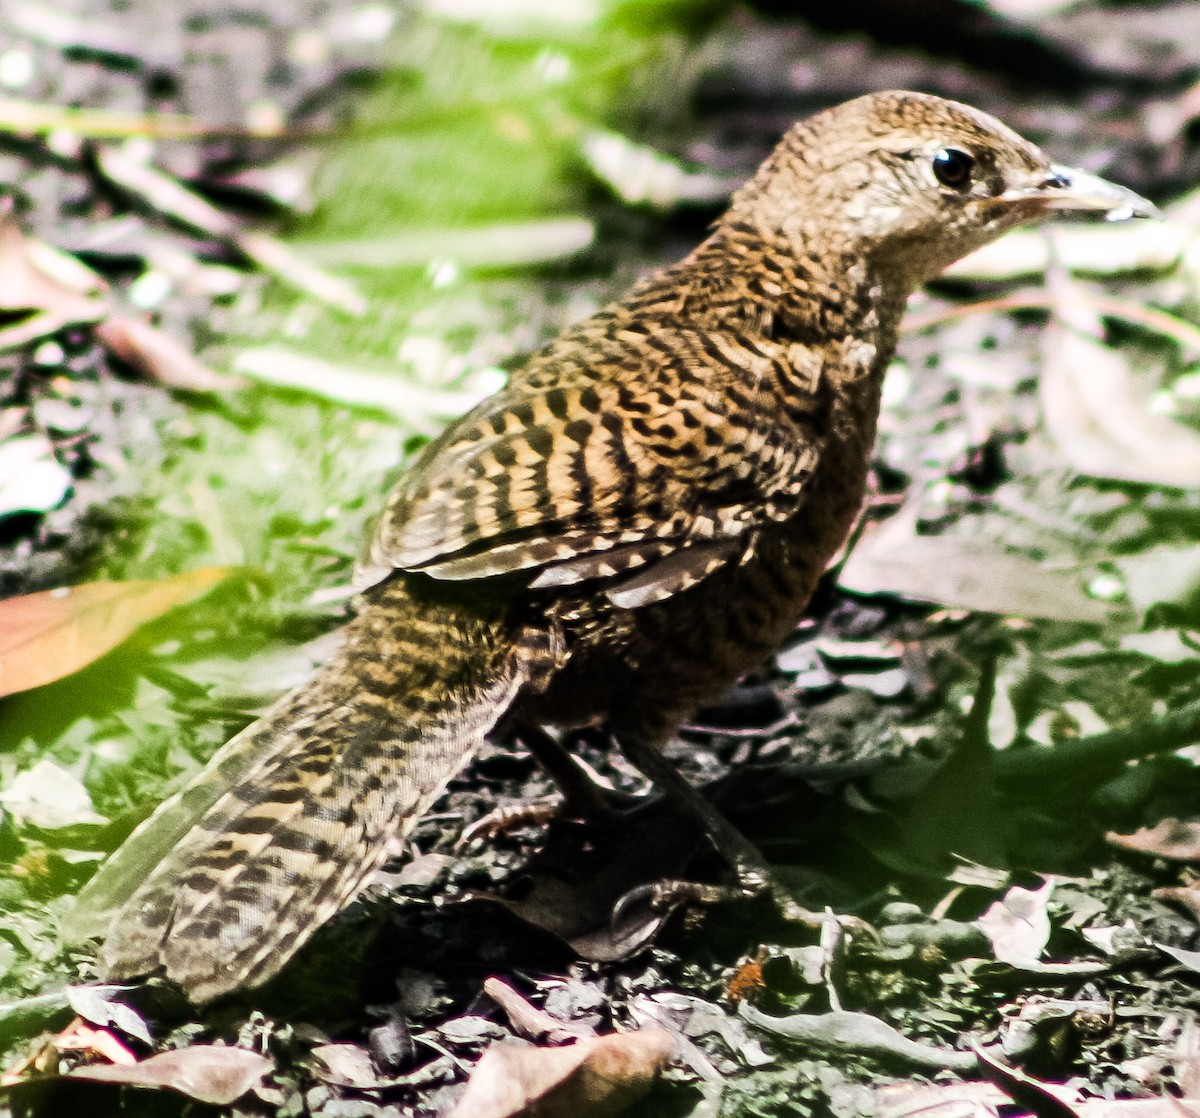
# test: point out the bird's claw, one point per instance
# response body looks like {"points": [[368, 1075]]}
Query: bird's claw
{"points": [[667, 894]]}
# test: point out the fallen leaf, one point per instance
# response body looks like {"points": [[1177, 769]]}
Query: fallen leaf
{"points": [[51, 288], [913, 1099], [1047, 1100], [1097, 250], [1018, 925], [529, 1021], [31, 477], [1177, 840], [1095, 410], [101, 1006], [840, 1033], [48, 635], [1164, 574], [640, 175], [1187, 897], [419, 404], [588, 1079], [49, 798], [963, 573], [1189, 959], [346, 1065], [166, 195], [209, 1073], [606, 909], [158, 356], [1058, 1100], [1167, 646]]}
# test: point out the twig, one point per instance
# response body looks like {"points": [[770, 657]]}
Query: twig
{"points": [[1151, 318]]}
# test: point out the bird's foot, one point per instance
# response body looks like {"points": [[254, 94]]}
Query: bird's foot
{"points": [[505, 820], [607, 809], [755, 879]]}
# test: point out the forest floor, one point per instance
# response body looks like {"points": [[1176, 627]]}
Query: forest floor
{"points": [[316, 231]]}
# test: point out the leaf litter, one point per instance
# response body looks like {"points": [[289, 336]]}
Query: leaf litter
{"points": [[979, 467]]}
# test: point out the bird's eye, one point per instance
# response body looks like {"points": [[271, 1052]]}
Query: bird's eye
{"points": [[952, 167]]}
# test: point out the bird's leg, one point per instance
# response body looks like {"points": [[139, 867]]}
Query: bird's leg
{"points": [[583, 796], [754, 875]]}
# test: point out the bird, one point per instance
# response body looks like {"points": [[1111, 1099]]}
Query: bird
{"points": [[637, 519]]}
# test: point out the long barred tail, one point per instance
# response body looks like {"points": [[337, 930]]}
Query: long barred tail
{"points": [[221, 885]]}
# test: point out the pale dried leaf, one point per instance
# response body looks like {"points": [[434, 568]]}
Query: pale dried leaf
{"points": [[1167, 646], [641, 175], [162, 193], [1018, 926], [529, 1021], [101, 1006], [417, 403], [272, 255], [514, 14], [31, 477], [1163, 574], [1186, 897], [1095, 410], [913, 1099], [209, 1073], [840, 1033], [347, 1065], [963, 573], [48, 797], [1189, 959]]}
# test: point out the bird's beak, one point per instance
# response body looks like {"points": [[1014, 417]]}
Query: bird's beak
{"points": [[1069, 190]]}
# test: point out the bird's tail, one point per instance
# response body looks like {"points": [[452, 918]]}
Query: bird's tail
{"points": [[221, 885]]}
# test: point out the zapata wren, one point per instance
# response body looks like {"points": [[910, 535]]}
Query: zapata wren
{"points": [[636, 520]]}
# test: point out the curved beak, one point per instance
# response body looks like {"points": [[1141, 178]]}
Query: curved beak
{"points": [[1068, 190]]}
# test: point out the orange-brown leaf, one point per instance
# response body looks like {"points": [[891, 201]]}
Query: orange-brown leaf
{"points": [[1177, 840], [46, 636]]}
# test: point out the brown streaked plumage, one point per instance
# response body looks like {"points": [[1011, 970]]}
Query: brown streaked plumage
{"points": [[637, 519]]}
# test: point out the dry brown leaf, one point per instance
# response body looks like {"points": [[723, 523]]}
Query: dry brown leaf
{"points": [[1175, 839], [53, 289], [589, 1079], [48, 635], [157, 356], [1096, 411], [1186, 897], [529, 1021], [209, 1073]]}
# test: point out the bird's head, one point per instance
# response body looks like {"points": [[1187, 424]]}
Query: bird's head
{"points": [[911, 182]]}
